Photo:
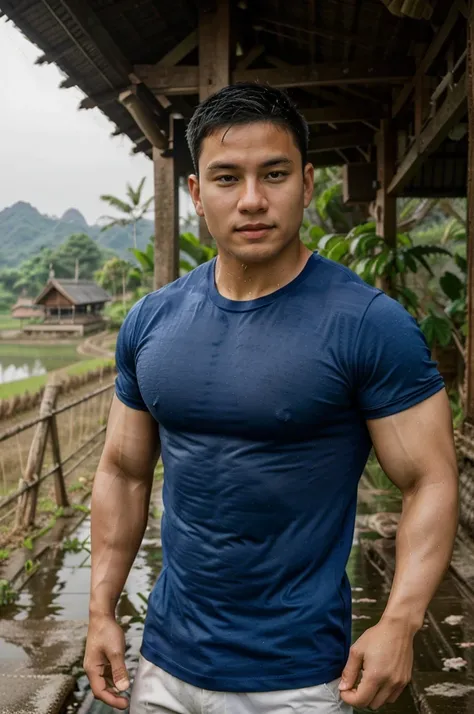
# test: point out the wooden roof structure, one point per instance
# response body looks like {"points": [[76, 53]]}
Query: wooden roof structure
{"points": [[348, 63], [76, 292], [382, 83]]}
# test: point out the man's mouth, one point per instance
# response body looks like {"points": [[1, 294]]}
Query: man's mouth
{"points": [[255, 230]]}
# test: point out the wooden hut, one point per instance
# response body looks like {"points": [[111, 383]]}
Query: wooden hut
{"points": [[26, 309], [71, 307]]}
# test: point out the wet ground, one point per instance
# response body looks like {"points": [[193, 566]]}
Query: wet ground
{"points": [[58, 592]]}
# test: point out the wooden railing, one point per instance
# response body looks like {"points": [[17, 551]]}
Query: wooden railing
{"points": [[18, 509]]}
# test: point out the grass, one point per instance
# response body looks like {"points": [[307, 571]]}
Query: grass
{"points": [[33, 384], [7, 322], [21, 386]]}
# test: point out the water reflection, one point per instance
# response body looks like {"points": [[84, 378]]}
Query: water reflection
{"points": [[14, 372]]}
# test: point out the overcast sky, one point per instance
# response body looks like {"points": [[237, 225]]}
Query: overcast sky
{"points": [[52, 155]]}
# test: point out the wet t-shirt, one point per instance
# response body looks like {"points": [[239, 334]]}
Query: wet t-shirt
{"points": [[262, 409]]}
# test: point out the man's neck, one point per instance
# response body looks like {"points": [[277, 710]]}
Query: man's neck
{"points": [[248, 281]]}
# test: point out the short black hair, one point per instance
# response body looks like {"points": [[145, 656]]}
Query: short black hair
{"points": [[245, 103]]}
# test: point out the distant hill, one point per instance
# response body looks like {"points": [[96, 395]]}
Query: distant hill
{"points": [[24, 231]]}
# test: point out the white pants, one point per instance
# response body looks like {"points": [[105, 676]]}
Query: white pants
{"points": [[157, 692]]}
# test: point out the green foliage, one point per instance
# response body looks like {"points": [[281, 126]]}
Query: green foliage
{"points": [[114, 273], [26, 232], [376, 476], [74, 545], [368, 255], [4, 554], [28, 543], [31, 567], [116, 312], [81, 508], [32, 275], [457, 411], [7, 594], [436, 328]]}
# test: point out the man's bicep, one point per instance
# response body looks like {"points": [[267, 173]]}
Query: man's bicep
{"points": [[132, 442], [416, 446]]}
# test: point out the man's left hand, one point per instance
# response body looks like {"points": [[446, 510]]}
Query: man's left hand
{"points": [[383, 655]]}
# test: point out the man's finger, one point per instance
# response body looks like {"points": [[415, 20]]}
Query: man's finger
{"points": [[396, 694], [351, 670], [100, 690], [118, 671], [365, 693], [382, 697]]}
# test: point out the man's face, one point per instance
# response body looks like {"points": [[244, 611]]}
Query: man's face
{"points": [[252, 190]]}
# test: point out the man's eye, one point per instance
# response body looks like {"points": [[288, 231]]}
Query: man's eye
{"points": [[277, 174], [227, 178]]}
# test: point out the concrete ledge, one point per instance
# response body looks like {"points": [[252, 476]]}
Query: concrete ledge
{"points": [[34, 693]]}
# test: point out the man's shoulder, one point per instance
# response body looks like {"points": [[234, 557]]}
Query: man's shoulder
{"points": [[343, 288]]}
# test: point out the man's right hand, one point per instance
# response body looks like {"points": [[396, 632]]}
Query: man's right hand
{"points": [[105, 660]]}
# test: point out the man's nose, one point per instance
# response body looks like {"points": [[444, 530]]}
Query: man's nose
{"points": [[253, 198]]}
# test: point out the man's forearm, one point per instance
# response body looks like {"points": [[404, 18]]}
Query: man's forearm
{"points": [[119, 516], [423, 550]]}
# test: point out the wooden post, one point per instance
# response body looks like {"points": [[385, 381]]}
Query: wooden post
{"points": [[59, 485], [166, 215], [386, 206], [214, 65], [469, 376], [26, 508]]}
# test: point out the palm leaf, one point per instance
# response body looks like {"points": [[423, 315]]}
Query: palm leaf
{"points": [[117, 203]]}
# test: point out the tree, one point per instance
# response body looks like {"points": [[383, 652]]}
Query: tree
{"points": [[116, 275], [78, 247], [132, 211]]}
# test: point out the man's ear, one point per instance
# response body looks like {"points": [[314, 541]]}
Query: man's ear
{"points": [[308, 180], [193, 185]]}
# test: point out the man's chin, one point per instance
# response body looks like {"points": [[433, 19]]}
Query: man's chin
{"points": [[257, 252]]}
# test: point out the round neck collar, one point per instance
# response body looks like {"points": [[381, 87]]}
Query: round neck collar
{"points": [[246, 305]]}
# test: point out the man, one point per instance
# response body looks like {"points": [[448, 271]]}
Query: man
{"points": [[271, 372]]}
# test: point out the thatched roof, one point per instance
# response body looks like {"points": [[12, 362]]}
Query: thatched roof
{"points": [[78, 292]]}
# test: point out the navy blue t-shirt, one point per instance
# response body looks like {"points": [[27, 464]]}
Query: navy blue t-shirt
{"points": [[262, 409]]}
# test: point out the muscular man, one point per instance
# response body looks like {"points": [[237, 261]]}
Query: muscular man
{"points": [[264, 377]]}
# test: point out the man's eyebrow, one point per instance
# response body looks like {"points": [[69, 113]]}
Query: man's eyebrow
{"points": [[276, 161]]}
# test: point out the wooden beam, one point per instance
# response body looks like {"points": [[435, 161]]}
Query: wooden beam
{"points": [[169, 80], [432, 136], [250, 56], [55, 53], [102, 99], [386, 206], [166, 217], [326, 32], [179, 52], [214, 49], [214, 64], [326, 74], [144, 118], [91, 27], [469, 368], [186, 80], [431, 54], [346, 140], [339, 114], [327, 158]]}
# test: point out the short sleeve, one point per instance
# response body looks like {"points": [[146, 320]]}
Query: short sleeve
{"points": [[392, 361], [126, 384]]}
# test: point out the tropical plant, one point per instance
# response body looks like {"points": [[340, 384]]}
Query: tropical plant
{"points": [[446, 320], [368, 255], [118, 275], [191, 254], [133, 211]]}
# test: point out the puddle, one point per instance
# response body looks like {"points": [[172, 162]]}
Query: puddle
{"points": [[59, 590]]}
